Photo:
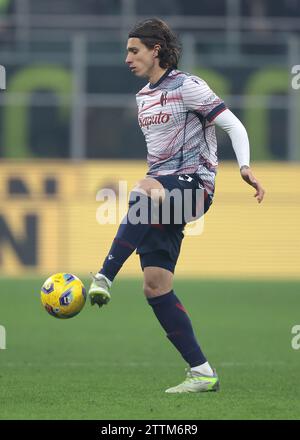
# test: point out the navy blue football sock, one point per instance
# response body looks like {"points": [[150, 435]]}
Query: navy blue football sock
{"points": [[175, 321], [131, 231]]}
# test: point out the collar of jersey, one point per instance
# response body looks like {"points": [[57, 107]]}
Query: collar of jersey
{"points": [[152, 86]]}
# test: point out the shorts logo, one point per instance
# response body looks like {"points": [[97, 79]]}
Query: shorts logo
{"points": [[186, 178]]}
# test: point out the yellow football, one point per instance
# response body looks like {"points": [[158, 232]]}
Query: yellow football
{"points": [[63, 295]]}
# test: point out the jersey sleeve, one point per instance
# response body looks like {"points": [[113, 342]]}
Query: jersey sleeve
{"points": [[238, 135], [198, 97]]}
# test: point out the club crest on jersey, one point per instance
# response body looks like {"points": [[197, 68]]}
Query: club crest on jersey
{"points": [[163, 99]]}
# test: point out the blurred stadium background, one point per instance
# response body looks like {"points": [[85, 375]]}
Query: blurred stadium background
{"points": [[68, 128]]}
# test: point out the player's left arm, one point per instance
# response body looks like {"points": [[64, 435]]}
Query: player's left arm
{"points": [[240, 143]]}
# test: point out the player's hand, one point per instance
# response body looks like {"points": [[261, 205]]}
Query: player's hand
{"points": [[248, 176]]}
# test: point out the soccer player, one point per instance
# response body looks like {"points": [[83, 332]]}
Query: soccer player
{"points": [[177, 113]]}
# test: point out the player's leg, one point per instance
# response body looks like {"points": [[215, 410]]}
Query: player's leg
{"points": [[130, 234], [168, 309]]}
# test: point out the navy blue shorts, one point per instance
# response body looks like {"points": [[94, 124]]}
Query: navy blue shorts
{"points": [[161, 245]]}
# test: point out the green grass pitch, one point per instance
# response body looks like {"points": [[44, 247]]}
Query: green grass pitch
{"points": [[116, 362]]}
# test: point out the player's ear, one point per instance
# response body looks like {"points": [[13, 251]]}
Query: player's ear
{"points": [[156, 50]]}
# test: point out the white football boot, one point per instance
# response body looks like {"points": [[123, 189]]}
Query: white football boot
{"points": [[196, 383], [99, 290]]}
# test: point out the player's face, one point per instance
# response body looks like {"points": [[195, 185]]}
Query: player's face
{"points": [[141, 60]]}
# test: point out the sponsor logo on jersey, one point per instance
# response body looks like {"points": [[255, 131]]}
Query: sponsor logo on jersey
{"points": [[161, 118]]}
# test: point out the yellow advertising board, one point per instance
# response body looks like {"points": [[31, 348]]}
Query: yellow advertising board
{"points": [[49, 216]]}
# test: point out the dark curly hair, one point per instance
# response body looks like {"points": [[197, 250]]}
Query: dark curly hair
{"points": [[155, 31]]}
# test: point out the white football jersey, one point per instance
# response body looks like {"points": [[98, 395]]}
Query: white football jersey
{"points": [[176, 115]]}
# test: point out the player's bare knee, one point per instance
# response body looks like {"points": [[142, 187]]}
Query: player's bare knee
{"points": [[157, 281], [151, 289]]}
